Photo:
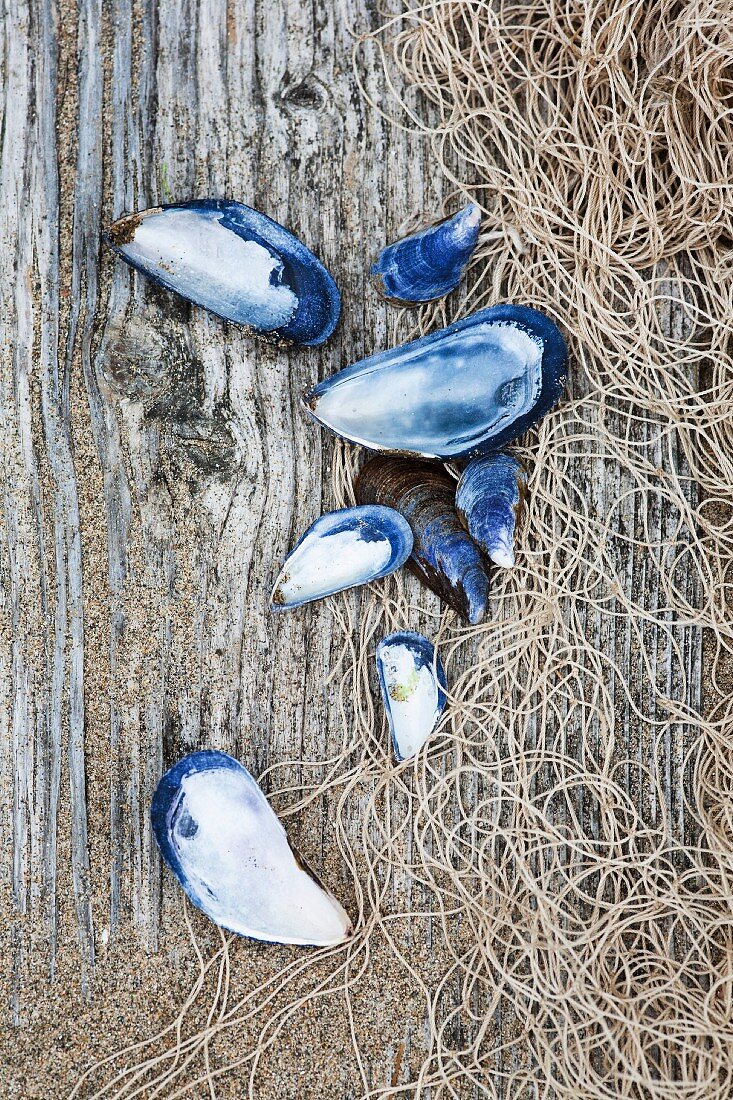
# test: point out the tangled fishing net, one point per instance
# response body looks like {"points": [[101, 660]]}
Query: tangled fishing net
{"points": [[547, 900]]}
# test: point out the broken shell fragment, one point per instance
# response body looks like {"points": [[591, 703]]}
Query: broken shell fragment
{"points": [[235, 262], [413, 686], [341, 550], [489, 500], [460, 392], [429, 264], [444, 556], [221, 839]]}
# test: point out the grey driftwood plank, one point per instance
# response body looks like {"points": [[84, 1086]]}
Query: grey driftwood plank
{"points": [[207, 469], [183, 439]]}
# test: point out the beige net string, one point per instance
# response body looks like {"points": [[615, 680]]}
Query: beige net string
{"points": [[552, 906]]}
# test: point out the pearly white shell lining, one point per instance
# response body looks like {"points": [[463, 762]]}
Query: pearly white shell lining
{"points": [[501, 550], [413, 698], [237, 859], [195, 255], [441, 397], [324, 564]]}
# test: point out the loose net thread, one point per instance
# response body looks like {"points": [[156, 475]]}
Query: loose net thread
{"points": [[582, 919]]}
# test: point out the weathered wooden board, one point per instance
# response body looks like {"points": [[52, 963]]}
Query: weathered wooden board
{"points": [[155, 463]]}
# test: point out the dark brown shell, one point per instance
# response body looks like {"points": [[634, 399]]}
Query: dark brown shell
{"points": [[444, 556]]}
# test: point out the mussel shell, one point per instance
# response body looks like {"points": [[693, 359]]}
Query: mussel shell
{"points": [[429, 264], [444, 556], [235, 262], [341, 550], [460, 392], [221, 839], [489, 500], [413, 685]]}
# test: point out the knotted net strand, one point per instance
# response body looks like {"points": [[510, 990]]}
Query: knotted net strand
{"points": [[567, 835]]}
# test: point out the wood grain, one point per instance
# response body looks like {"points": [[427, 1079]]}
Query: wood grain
{"points": [[155, 464], [184, 440]]}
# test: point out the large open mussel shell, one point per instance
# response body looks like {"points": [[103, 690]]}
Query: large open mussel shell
{"points": [[341, 550], [489, 500], [413, 686], [460, 392], [444, 556], [235, 262], [221, 839], [429, 264]]}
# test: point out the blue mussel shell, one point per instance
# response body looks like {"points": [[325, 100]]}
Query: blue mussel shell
{"points": [[489, 499], [235, 262], [444, 556], [465, 390], [413, 686], [342, 549], [429, 264], [221, 839]]}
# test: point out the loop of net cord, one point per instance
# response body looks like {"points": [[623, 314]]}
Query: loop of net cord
{"points": [[601, 137]]}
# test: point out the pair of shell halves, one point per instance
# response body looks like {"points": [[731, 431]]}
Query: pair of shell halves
{"points": [[454, 530]]}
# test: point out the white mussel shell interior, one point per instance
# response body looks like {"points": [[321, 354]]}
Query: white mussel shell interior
{"points": [[198, 257], [413, 697], [239, 865], [323, 565], [438, 399], [341, 550]]}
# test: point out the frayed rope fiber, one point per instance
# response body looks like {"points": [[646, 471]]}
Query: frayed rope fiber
{"points": [[584, 915]]}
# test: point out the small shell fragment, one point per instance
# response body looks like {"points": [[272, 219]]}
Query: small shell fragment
{"points": [[429, 264], [413, 686]]}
